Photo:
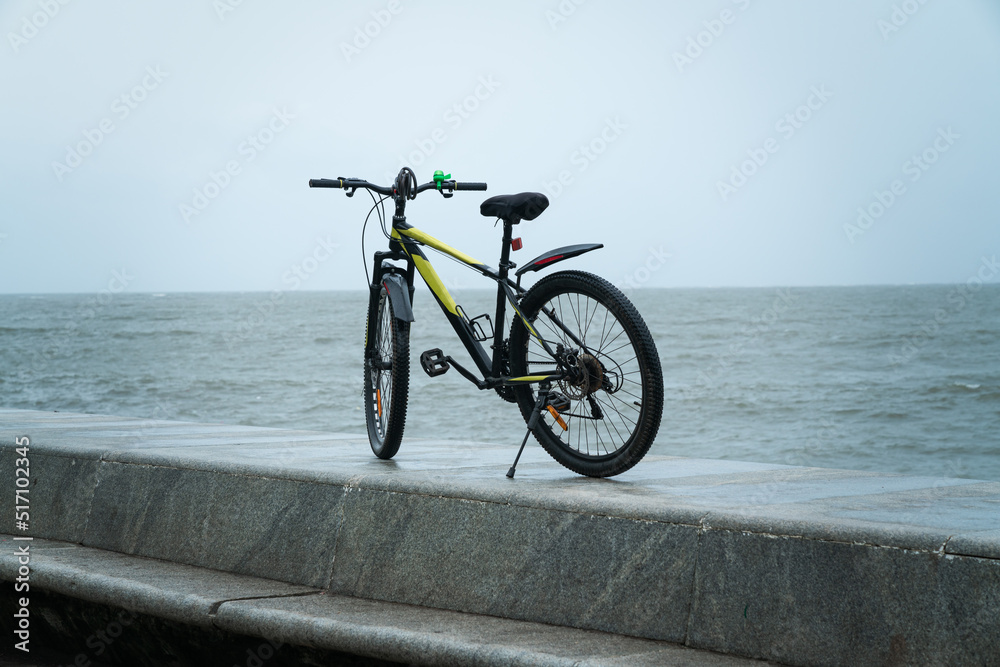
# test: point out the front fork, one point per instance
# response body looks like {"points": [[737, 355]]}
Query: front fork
{"points": [[382, 265]]}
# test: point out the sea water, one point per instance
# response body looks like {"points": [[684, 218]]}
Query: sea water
{"points": [[887, 378]]}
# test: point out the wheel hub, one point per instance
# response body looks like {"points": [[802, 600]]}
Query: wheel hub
{"points": [[591, 374]]}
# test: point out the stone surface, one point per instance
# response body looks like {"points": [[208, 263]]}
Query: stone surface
{"points": [[984, 543], [59, 494], [430, 636], [144, 585], [581, 570], [800, 565], [828, 603], [277, 528], [301, 616]]}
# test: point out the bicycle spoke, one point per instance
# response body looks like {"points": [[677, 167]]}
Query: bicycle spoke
{"points": [[576, 311], [610, 437], [604, 328], [618, 412], [616, 363], [622, 391], [609, 421], [583, 334], [562, 317], [614, 339], [584, 325]]}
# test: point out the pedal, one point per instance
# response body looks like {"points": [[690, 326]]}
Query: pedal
{"points": [[434, 362], [558, 401]]}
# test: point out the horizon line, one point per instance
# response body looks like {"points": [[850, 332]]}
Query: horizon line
{"points": [[490, 290]]}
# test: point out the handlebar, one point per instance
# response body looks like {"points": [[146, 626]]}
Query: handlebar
{"points": [[354, 183], [347, 183], [326, 183]]}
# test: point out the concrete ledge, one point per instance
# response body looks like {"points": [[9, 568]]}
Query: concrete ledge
{"points": [[297, 616], [801, 565]]}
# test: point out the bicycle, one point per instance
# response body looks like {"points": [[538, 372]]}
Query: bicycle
{"points": [[594, 406]]}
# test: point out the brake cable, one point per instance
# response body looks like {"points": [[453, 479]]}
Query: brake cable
{"points": [[375, 207]]}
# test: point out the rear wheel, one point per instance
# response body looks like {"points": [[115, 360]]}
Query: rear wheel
{"points": [[608, 417], [387, 377]]}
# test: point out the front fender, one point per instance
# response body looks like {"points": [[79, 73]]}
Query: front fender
{"points": [[399, 296], [559, 254]]}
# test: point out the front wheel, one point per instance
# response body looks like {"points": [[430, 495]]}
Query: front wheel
{"points": [[608, 417], [387, 376]]}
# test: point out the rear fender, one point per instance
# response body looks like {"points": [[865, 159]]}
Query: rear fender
{"points": [[559, 254]]}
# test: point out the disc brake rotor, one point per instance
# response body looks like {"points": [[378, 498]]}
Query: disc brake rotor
{"points": [[591, 378]]}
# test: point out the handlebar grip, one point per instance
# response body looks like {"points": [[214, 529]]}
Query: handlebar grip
{"points": [[470, 186], [326, 182]]}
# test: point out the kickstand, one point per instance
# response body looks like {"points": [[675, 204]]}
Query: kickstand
{"points": [[543, 395]]}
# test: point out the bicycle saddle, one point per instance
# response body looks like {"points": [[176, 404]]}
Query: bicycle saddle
{"points": [[514, 208]]}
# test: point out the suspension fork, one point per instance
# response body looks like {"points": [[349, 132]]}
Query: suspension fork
{"points": [[380, 267]]}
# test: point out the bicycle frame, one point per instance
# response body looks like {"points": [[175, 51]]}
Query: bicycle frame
{"points": [[578, 372], [405, 244]]}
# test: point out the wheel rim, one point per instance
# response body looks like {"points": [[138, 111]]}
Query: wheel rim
{"points": [[606, 343], [381, 369]]}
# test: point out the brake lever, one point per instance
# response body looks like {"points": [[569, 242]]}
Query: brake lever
{"points": [[349, 193]]}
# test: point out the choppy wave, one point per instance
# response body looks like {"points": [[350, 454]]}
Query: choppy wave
{"points": [[838, 379]]}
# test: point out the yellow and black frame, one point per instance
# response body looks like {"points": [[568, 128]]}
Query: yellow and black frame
{"points": [[576, 383], [406, 245]]}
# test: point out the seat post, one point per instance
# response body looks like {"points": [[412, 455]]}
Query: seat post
{"points": [[508, 234], [501, 297]]}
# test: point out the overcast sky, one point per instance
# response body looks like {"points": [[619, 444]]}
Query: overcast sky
{"points": [[722, 143]]}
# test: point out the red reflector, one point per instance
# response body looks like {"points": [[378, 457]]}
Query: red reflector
{"points": [[515, 244], [548, 259]]}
